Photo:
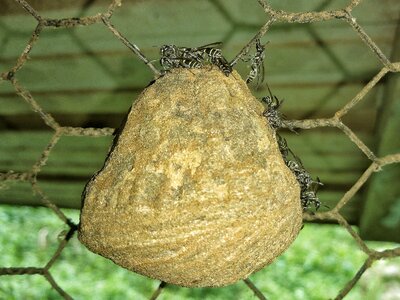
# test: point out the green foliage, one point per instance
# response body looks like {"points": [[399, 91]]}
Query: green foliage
{"points": [[316, 266]]}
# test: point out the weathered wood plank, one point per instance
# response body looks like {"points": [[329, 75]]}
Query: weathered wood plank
{"points": [[63, 194], [78, 102], [381, 215], [71, 156]]}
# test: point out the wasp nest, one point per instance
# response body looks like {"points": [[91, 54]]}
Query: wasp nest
{"points": [[194, 191]]}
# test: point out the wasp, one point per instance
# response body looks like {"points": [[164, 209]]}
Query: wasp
{"points": [[224, 66], [302, 176], [308, 189], [257, 64], [283, 147], [308, 198], [272, 113], [174, 57], [308, 186], [214, 56], [180, 62], [208, 52], [274, 116]]}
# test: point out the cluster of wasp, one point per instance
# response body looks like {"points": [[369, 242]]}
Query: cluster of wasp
{"points": [[184, 57], [308, 186], [173, 56]]}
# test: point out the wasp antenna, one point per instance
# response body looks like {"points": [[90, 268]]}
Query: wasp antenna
{"points": [[269, 90], [211, 44]]}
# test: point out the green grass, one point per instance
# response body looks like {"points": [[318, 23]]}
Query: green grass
{"points": [[318, 264]]}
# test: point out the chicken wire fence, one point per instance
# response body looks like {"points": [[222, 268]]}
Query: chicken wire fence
{"points": [[274, 16]]}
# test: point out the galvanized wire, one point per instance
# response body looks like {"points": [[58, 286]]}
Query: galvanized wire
{"points": [[274, 16]]}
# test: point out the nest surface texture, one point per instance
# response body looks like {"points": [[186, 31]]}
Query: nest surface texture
{"points": [[194, 191]]}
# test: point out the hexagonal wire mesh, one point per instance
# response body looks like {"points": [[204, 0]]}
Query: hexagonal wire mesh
{"points": [[334, 214]]}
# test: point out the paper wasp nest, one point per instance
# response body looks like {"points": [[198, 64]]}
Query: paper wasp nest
{"points": [[194, 191]]}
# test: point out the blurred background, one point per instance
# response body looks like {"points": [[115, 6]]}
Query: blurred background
{"points": [[85, 77]]}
